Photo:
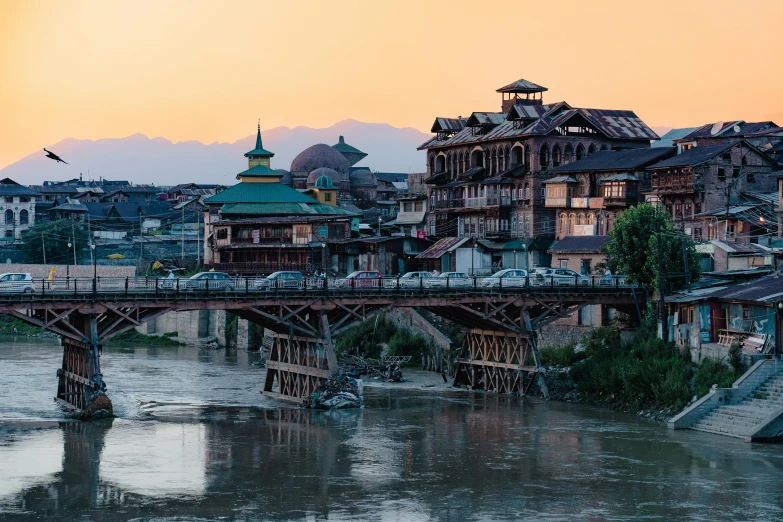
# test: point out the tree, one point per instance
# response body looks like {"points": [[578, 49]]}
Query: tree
{"points": [[633, 248], [53, 238]]}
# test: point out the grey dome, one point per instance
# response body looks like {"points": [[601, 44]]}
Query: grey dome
{"points": [[319, 156], [332, 174], [286, 178], [363, 178]]}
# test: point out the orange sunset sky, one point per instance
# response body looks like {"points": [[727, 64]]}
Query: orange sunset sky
{"points": [[206, 70]]}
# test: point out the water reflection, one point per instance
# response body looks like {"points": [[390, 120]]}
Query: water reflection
{"points": [[409, 455]]}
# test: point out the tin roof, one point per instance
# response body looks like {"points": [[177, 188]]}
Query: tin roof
{"points": [[284, 209], [259, 150], [586, 244], [562, 179], [605, 160], [9, 187], [522, 85], [448, 124], [693, 156], [447, 244], [259, 193], [667, 140], [729, 129]]}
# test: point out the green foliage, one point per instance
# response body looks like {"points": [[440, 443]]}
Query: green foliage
{"points": [[53, 238], [633, 249], [561, 356], [366, 338], [404, 342], [232, 322], [138, 339], [647, 373], [710, 372], [7, 324], [171, 334]]}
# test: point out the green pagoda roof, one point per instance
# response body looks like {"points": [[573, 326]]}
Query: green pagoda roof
{"points": [[260, 171], [259, 193], [287, 209], [259, 151], [341, 146]]}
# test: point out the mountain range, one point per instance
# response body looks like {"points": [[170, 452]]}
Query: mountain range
{"points": [[140, 159]]}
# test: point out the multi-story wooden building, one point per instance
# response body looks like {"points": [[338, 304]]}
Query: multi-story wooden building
{"points": [[704, 179], [486, 172], [589, 195]]}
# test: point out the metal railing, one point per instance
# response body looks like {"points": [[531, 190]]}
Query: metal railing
{"points": [[159, 286]]}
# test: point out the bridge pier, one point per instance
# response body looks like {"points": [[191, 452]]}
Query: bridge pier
{"points": [[80, 385], [298, 364], [495, 361]]}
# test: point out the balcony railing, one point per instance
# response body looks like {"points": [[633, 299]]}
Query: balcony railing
{"points": [[264, 241], [619, 201], [557, 202], [261, 268]]}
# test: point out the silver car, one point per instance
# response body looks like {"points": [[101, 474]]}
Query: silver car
{"points": [[208, 281], [508, 278], [415, 280], [16, 283], [451, 280], [560, 277], [280, 280]]}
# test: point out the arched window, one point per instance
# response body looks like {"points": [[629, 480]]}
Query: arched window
{"points": [[493, 166], [440, 164], [9, 233], [477, 158], [581, 219], [545, 224], [568, 155], [571, 223], [506, 158], [556, 156], [9, 217], [580, 152], [432, 164], [517, 156], [23, 217], [544, 156], [563, 224], [590, 219], [583, 192], [591, 150], [461, 163], [526, 191]]}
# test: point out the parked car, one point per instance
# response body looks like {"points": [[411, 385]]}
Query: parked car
{"points": [[451, 280], [508, 278], [16, 282], [415, 280], [360, 279], [560, 277], [208, 281], [280, 280]]}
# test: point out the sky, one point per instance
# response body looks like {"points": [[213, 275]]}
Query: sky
{"points": [[208, 70]]}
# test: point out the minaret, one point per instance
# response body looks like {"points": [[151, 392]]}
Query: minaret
{"points": [[258, 156]]}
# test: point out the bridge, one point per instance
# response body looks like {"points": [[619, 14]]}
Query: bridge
{"points": [[499, 353]]}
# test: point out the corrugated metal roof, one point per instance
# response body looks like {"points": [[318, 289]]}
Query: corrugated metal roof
{"points": [[619, 177], [693, 156], [522, 85], [444, 245], [766, 289], [587, 244], [260, 171], [9, 187], [448, 124], [283, 209], [667, 140], [607, 160], [562, 179], [486, 118]]}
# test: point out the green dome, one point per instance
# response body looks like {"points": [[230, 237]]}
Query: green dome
{"points": [[324, 183]]}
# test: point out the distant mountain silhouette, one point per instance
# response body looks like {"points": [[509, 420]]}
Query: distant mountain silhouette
{"points": [[140, 159]]}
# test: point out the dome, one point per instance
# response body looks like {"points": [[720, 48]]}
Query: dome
{"points": [[324, 183], [363, 178], [332, 174], [286, 178], [319, 156]]}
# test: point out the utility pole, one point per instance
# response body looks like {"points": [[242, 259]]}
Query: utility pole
{"points": [[661, 289], [198, 240], [43, 247], [183, 232], [141, 240], [73, 239], [91, 239]]}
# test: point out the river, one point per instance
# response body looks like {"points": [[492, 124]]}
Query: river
{"points": [[194, 440]]}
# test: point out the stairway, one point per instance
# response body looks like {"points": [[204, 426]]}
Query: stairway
{"points": [[748, 415]]}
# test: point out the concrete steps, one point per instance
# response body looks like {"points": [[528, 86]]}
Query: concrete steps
{"points": [[741, 419]]}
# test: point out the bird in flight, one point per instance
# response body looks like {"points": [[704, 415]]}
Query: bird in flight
{"points": [[55, 157]]}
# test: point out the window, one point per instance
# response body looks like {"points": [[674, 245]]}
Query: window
{"points": [[9, 217], [544, 156], [726, 157], [418, 206], [564, 263], [9, 233], [222, 233], [556, 156], [751, 177], [580, 152], [735, 172], [406, 207], [585, 267], [23, 217], [678, 210], [721, 174], [591, 149], [697, 208], [327, 196]]}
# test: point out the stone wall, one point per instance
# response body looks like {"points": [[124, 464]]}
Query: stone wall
{"points": [[560, 335]]}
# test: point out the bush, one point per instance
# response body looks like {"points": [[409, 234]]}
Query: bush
{"points": [[561, 356], [135, 338], [646, 374], [368, 337], [710, 372]]}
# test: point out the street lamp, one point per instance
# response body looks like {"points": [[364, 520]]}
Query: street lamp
{"points": [[67, 265], [379, 225], [473, 259]]}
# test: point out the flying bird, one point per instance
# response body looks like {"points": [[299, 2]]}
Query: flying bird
{"points": [[55, 157]]}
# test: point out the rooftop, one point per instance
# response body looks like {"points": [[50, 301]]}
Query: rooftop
{"points": [[259, 151], [586, 244], [522, 85], [259, 193], [693, 156], [605, 160]]}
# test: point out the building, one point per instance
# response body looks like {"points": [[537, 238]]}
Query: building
{"points": [[412, 215], [17, 207], [706, 179], [260, 225], [486, 172], [589, 195], [187, 191]]}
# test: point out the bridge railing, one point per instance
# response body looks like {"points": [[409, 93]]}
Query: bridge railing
{"points": [[258, 285]]}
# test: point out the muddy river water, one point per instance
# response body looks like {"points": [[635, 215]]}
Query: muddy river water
{"points": [[194, 440]]}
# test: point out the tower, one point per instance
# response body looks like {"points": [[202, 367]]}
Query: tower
{"points": [[259, 155]]}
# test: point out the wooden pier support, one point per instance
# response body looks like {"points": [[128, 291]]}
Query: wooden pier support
{"points": [[495, 361], [299, 364], [80, 385]]}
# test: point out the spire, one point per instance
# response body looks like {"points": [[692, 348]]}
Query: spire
{"points": [[259, 151], [258, 137]]}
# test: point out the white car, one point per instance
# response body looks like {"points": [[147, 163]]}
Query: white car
{"points": [[17, 283], [561, 277], [415, 280], [508, 278], [451, 280]]}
